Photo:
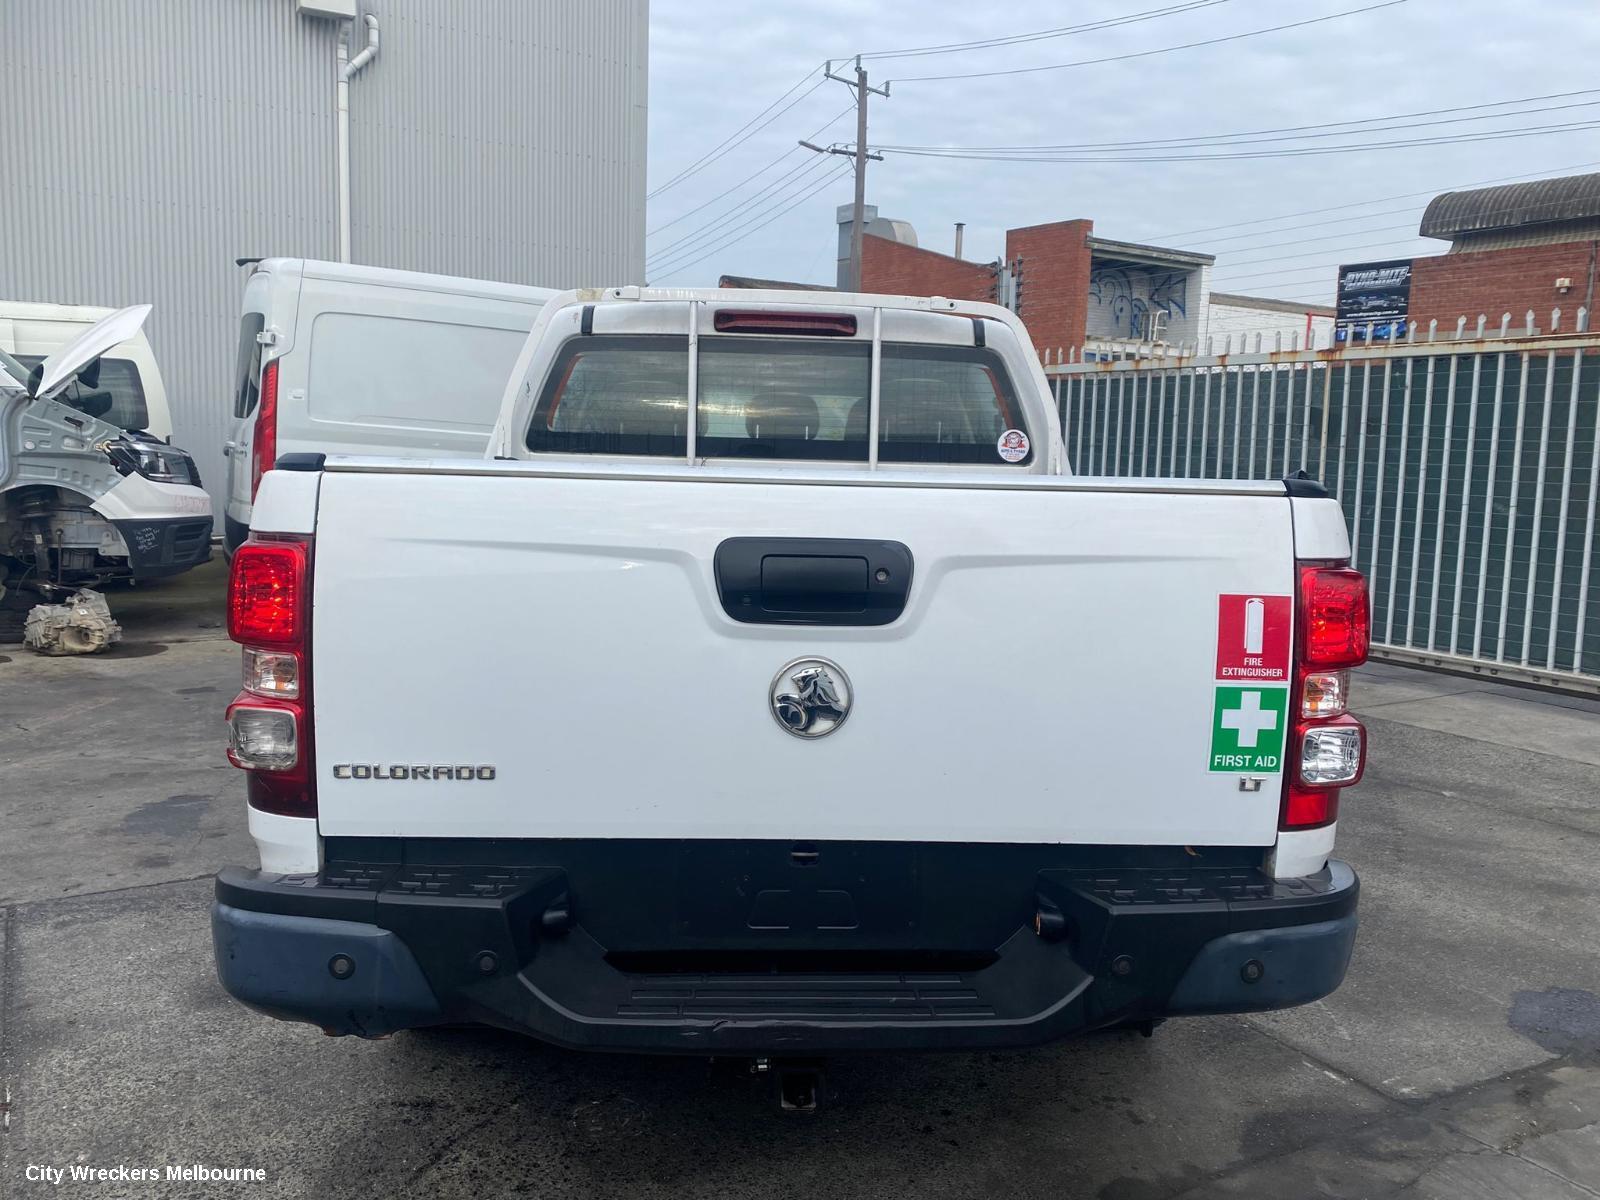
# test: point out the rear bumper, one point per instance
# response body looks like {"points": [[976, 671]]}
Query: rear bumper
{"points": [[372, 950]]}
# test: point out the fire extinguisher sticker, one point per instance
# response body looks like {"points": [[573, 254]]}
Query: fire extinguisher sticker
{"points": [[1253, 638]]}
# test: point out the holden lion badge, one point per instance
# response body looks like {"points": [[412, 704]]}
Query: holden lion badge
{"points": [[810, 697]]}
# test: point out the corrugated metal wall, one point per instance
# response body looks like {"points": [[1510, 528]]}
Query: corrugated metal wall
{"points": [[148, 143]]}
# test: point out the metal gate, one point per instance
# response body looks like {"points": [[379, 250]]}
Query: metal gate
{"points": [[1467, 469]]}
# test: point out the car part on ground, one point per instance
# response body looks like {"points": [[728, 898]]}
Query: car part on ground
{"points": [[83, 625]]}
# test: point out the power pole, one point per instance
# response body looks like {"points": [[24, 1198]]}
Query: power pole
{"points": [[859, 152]]}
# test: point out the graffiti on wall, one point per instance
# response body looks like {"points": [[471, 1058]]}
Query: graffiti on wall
{"points": [[1122, 298]]}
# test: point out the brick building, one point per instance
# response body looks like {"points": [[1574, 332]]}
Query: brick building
{"points": [[1073, 289], [1515, 247]]}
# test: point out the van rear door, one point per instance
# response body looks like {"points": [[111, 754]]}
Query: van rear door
{"points": [[253, 321]]}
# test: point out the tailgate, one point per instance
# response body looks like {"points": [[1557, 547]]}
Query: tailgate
{"points": [[1054, 675]]}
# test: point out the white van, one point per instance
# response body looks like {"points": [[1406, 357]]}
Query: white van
{"points": [[345, 359], [33, 332]]}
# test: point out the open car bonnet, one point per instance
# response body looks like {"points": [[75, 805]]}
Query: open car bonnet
{"points": [[63, 366]]}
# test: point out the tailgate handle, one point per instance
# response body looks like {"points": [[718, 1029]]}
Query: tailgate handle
{"points": [[813, 581]]}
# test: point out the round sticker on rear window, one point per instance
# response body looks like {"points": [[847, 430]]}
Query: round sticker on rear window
{"points": [[1013, 445]]}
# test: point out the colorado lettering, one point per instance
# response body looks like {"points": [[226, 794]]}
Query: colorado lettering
{"points": [[414, 771]]}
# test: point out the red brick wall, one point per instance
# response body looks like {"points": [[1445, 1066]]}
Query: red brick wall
{"points": [[895, 269], [1055, 277], [1493, 282], [1055, 280]]}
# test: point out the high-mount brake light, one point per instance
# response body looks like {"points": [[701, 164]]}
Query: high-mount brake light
{"points": [[799, 324], [264, 442], [269, 722], [1327, 748]]}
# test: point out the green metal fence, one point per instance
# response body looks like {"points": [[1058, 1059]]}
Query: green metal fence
{"points": [[1468, 471]]}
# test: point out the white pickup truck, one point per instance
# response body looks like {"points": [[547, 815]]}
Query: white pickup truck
{"points": [[806, 704]]}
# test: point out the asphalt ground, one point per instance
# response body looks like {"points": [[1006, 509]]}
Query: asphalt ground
{"points": [[1460, 1059]]}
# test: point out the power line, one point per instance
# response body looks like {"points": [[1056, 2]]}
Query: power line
{"points": [[1273, 275], [1290, 152], [734, 210], [1216, 41], [833, 177], [1299, 274], [723, 147], [1298, 132], [814, 133], [1228, 272], [735, 139], [1332, 237], [1046, 34], [1311, 212], [785, 183], [755, 219], [1289, 258], [650, 233], [1344, 235], [1388, 212], [809, 175]]}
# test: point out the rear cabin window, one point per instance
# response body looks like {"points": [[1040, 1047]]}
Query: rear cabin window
{"points": [[782, 398], [615, 395], [945, 404], [119, 379], [778, 398]]}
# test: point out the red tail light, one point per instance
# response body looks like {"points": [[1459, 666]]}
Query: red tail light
{"points": [[1335, 618], [269, 721], [266, 594], [1326, 751], [1309, 808], [264, 445]]}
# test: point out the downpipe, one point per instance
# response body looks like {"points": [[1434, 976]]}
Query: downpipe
{"points": [[348, 69]]}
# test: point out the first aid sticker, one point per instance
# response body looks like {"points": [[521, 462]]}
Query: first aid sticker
{"points": [[1253, 639], [1247, 729]]}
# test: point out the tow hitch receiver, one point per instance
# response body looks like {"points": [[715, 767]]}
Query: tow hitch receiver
{"points": [[798, 1081]]}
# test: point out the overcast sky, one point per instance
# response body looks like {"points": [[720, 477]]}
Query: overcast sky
{"points": [[716, 64]]}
